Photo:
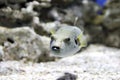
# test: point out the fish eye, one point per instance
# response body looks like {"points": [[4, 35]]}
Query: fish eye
{"points": [[77, 42], [67, 40], [52, 38]]}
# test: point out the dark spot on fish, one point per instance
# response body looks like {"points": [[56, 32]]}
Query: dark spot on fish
{"points": [[67, 40]]}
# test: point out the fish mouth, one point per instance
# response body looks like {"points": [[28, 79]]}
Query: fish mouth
{"points": [[56, 51]]}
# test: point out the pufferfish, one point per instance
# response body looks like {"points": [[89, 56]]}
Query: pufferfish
{"points": [[66, 41]]}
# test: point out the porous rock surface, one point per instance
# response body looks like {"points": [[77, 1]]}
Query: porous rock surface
{"points": [[101, 24], [97, 62], [23, 43]]}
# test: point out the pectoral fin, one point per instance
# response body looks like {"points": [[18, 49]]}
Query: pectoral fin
{"points": [[52, 31], [83, 42]]}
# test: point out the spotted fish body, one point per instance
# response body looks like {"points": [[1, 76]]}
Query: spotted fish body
{"points": [[67, 41]]}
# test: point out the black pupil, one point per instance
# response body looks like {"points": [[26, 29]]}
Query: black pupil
{"points": [[76, 42], [52, 38]]}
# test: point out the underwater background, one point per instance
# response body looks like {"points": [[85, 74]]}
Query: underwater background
{"points": [[25, 27]]}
